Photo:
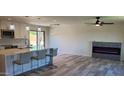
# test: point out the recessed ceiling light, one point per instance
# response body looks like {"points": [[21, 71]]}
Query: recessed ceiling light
{"points": [[9, 19], [39, 28]]}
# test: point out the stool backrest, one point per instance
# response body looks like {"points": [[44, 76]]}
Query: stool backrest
{"points": [[41, 54], [53, 51], [25, 57]]}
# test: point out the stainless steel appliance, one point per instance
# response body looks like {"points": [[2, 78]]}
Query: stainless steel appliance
{"points": [[5, 33]]}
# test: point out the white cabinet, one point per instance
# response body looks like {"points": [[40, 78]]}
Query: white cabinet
{"points": [[17, 30], [20, 31], [24, 33], [5, 24]]}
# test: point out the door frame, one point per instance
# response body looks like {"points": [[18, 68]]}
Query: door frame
{"points": [[37, 36]]}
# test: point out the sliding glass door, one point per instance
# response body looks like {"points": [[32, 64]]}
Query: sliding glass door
{"points": [[41, 40], [33, 39], [37, 39]]}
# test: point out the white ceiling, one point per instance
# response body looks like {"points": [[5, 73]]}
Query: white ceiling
{"points": [[48, 20]]}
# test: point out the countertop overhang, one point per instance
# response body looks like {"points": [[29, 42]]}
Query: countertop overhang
{"points": [[15, 51]]}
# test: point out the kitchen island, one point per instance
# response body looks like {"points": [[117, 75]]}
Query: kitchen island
{"points": [[7, 56]]}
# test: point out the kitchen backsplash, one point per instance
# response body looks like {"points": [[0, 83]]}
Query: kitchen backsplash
{"points": [[19, 42]]}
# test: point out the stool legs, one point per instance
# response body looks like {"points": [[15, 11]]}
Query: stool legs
{"points": [[13, 70], [51, 65], [22, 68], [37, 63]]}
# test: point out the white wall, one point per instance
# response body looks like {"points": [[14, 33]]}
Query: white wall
{"points": [[77, 38]]}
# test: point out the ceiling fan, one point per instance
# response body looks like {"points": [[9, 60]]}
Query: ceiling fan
{"points": [[100, 23]]}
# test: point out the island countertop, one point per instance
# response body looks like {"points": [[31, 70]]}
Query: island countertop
{"points": [[15, 51], [8, 56]]}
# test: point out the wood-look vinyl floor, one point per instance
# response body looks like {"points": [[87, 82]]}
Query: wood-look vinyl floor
{"points": [[75, 65]]}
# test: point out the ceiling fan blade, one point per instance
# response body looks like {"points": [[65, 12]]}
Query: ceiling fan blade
{"points": [[91, 23], [107, 23]]}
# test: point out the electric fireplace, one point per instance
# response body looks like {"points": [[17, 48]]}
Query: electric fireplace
{"points": [[106, 50]]}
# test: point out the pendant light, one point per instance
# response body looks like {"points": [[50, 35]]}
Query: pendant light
{"points": [[39, 28], [27, 28], [12, 27]]}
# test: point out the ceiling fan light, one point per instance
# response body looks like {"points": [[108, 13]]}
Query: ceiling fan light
{"points": [[39, 28], [12, 27], [97, 25]]}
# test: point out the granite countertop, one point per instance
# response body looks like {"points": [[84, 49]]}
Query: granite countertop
{"points": [[15, 51]]}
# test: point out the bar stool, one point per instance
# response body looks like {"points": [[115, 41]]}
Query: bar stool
{"points": [[22, 59], [41, 54], [51, 53]]}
